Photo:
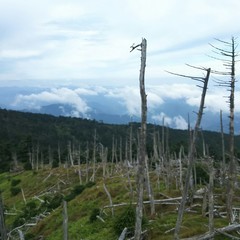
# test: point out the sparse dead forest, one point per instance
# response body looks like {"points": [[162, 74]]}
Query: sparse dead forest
{"points": [[138, 181]]}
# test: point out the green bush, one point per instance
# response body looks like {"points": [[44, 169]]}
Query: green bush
{"points": [[15, 191], [90, 184], [126, 219], [15, 182], [78, 189], [95, 212], [75, 191], [53, 203]]}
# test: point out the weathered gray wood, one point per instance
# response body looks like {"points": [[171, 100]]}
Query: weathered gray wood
{"points": [[210, 197], [191, 154], [142, 146], [3, 231], [123, 234], [109, 197], [65, 221], [149, 189], [206, 236]]}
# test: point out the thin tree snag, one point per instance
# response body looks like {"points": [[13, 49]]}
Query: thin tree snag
{"points": [[142, 146], [3, 231], [65, 221], [223, 151], [109, 197], [123, 234], [228, 57], [191, 154], [210, 197], [149, 189]]}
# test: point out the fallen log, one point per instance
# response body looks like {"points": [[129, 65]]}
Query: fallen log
{"points": [[160, 201], [223, 230]]}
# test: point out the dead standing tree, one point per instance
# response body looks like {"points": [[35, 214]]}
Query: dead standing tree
{"points": [[3, 231], [142, 146], [204, 80], [228, 57]]}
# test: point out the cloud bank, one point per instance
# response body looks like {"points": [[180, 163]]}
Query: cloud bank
{"points": [[160, 100]]}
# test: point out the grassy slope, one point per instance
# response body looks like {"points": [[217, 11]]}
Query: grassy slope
{"points": [[80, 208]]}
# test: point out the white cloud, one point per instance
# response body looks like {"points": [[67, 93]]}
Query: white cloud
{"points": [[91, 39], [162, 118], [61, 95], [180, 122]]}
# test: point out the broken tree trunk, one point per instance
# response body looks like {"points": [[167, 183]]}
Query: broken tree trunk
{"points": [[3, 231], [191, 154], [142, 147], [210, 197], [65, 221]]}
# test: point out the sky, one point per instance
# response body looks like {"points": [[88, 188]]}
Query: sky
{"points": [[62, 43], [78, 41]]}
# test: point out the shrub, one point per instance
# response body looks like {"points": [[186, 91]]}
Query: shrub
{"points": [[52, 203], [15, 182], [75, 191], [78, 189], [127, 219], [93, 217], [15, 190], [90, 184]]}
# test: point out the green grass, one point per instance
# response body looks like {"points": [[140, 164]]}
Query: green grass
{"points": [[63, 182]]}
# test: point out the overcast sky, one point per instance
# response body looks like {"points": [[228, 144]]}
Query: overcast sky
{"points": [[64, 42]]}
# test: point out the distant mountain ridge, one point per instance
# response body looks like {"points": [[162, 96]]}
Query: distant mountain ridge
{"points": [[210, 121], [109, 108]]}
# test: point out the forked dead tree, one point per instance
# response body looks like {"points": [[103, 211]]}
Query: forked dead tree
{"points": [[204, 80], [142, 146], [228, 56]]}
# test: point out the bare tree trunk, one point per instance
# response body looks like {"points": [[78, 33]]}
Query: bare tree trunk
{"points": [[149, 189], [130, 144], [109, 197], [113, 154], [87, 162], [232, 171], [3, 231], [70, 153], [191, 157], [180, 168], [94, 155], [210, 197], [223, 151], [228, 57], [59, 155], [79, 166], [65, 221], [142, 147]]}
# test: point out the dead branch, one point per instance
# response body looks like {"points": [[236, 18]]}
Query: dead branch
{"points": [[222, 230], [123, 234]]}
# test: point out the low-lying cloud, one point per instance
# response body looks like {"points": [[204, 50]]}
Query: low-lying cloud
{"points": [[158, 97], [54, 96]]}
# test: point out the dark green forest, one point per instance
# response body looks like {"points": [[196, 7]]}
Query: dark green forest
{"points": [[28, 136]]}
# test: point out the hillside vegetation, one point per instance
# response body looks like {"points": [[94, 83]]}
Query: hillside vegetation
{"points": [[48, 161], [36, 208]]}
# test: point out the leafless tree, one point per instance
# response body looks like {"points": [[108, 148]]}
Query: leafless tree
{"points": [[204, 80], [3, 231], [65, 221], [142, 146], [228, 56]]}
